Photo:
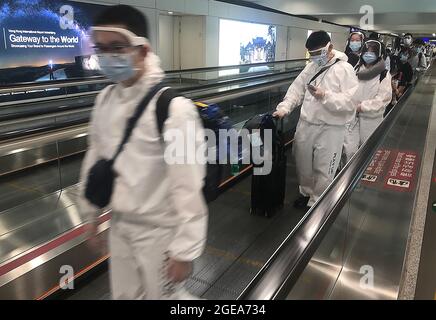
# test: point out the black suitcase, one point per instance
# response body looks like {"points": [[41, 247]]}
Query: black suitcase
{"points": [[268, 191]]}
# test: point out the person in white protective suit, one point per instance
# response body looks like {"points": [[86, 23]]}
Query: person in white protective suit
{"points": [[159, 216], [371, 98], [417, 59], [325, 89]]}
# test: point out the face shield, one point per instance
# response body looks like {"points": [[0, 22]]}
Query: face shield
{"points": [[369, 55], [133, 39], [356, 45], [320, 56], [117, 60]]}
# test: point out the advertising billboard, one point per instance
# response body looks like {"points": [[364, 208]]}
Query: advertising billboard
{"points": [[43, 40]]}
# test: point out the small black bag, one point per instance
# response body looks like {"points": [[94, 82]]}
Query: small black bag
{"points": [[101, 177]]}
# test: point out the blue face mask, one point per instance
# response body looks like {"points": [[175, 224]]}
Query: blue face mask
{"points": [[369, 57], [355, 45], [117, 67]]}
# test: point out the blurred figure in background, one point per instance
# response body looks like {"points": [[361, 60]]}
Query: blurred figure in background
{"points": [[418, 60], [404, 76]]}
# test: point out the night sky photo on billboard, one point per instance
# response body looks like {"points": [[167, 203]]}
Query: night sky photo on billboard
{"points": [[43, 40]]}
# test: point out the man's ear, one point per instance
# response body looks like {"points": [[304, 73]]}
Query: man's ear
{"points": [[330, 48]]}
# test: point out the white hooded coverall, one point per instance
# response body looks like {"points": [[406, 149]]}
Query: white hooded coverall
{"points": [[374, 96], [320, 132], [158, 210]]}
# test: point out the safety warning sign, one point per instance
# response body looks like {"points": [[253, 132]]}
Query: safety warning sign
{"points": [[376, 169], [392, 169], [402, 172]]}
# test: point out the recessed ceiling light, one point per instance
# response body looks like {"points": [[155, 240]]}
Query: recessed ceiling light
{"points": [[170, 12]]}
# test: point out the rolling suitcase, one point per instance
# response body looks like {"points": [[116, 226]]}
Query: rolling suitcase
{"points": [[268, 191]]}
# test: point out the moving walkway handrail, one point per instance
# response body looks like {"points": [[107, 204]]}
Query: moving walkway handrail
{"points": [[235, 66], [209, 98], [280, 273], [17, 87]]}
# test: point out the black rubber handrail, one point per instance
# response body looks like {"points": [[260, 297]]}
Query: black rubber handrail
{"points": [[19, 114], [277, 277], [17, 133], [98, 79], [235, 66]]}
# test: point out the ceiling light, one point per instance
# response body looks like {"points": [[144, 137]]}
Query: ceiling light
{"points": [[170, 12], [434, 34]]}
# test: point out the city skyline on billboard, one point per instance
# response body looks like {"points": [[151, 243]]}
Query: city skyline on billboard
{"points": [[44, 39]]}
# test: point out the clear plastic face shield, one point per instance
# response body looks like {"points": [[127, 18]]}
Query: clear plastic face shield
{"points": [[370, 43], [116, 46], [320, 56], [369, 55], [355, 41], [116, 56]]}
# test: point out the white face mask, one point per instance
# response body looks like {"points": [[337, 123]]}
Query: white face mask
{"points": [[407, 41], [117, 67]]}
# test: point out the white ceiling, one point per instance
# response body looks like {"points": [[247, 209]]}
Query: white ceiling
{"points": [[396, 16]]}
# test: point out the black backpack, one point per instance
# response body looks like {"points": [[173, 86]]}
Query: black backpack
{"points": [[214, 119]]}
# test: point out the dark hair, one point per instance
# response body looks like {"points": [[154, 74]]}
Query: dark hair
{"points": [[408, 34], [130, 17], [373, 36], [317, 39]]}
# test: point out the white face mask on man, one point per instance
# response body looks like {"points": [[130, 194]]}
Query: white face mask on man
{"points": [[118, 67]]}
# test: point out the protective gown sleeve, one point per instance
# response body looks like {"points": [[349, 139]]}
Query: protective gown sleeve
{"points": [[295, 94], [88, 210], [382, 98], [338, 101], [186, 172]]}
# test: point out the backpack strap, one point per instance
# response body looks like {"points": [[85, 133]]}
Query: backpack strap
{"points": [[162, 107], [131, 123], [383, 75], [322, 71]]}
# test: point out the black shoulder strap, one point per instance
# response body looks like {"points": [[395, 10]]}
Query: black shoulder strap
{"points": [[383, 75], [131, 123], [322, 71], [162, 107]]}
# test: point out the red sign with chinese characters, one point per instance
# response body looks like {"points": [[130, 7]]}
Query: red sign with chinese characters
{"points": [[402, 172], [392, 169], [376, 170]]}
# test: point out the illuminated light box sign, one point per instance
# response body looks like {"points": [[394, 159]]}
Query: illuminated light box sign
{"points": [[245, 42], [43, 40]]}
